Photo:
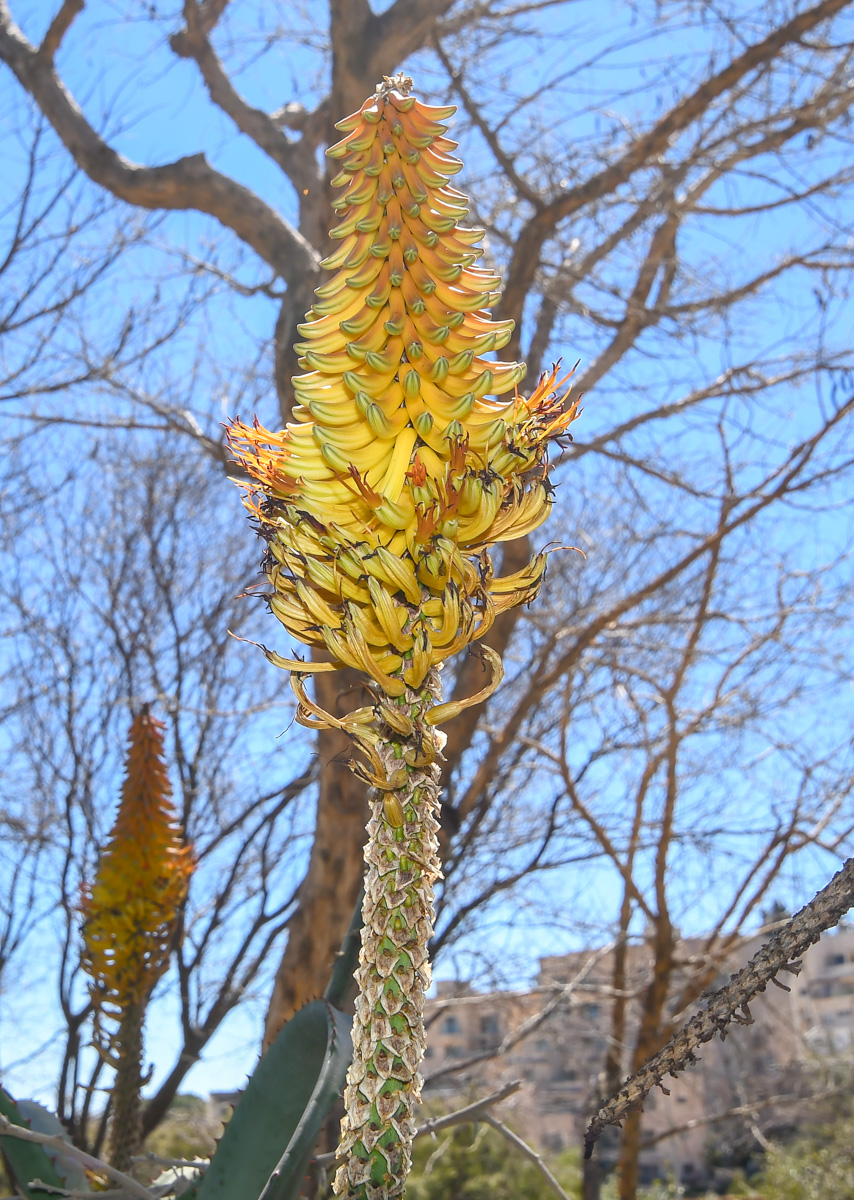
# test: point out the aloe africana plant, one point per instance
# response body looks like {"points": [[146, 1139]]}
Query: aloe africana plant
{"points": [[378, 506], [130, 915]]}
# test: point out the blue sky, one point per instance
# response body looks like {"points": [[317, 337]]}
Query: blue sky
{"points": [[154, 109]]}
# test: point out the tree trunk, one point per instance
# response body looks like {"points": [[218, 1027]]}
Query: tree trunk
{"points": [[590, 1177], [651, 1037], [627, 1167], [331, 885]]}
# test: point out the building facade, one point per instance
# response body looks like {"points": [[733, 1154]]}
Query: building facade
{"points": [[554, 1038]]}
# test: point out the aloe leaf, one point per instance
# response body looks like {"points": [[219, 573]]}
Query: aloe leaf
{"points": [[267, 1144], [42, 1120], [286, 1180], [28, 1160]]}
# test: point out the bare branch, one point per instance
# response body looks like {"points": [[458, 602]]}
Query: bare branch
{"points": [[54, 1142], [298, 162], [560, 996], [58, 28], [527, 1152], [528, 244], [187, 183], [507, 165], [462, 1116], [778, 484]]}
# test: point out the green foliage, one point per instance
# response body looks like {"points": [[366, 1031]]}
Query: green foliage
{"points": [[186, 1131], [661, 1189], [26, 1160], [817, 1167], [739, 1185], [468, 1163]]}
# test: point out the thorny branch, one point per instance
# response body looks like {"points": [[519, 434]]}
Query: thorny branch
{"points": [[782, 952], [477, 1111]]}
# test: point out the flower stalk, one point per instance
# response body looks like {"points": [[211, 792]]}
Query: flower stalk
{"points": [[402, 865], [130, 917], [379, 506]]}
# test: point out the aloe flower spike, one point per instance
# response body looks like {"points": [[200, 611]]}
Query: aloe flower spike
{"points": [[379, 505], [130, 917]]}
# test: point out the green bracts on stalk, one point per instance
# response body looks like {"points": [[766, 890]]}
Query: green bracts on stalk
{"points": [[384, 1083]]}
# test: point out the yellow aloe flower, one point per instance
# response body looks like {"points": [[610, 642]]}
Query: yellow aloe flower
{"points": [[379, 504], [130, 915], [380, 501]]}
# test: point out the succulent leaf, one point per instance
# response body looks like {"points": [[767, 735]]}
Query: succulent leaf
{"points": [[28, 1160], [267, 1144], [42, 1120]]}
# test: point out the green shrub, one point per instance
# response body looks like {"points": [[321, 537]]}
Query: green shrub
{"points": [[478, 1164], [820, 1167]]}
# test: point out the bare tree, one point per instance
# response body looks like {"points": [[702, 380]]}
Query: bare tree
{"points": [[140, 617], [668, 196], [672, 747]]}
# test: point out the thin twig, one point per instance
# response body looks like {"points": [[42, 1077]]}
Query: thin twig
{"points": [[7, 1129], [527, 1151], [76, 1193], [472, 1112], [487, 132], [781, 952], [742, 1110], [561, 993], [201, 1164]]}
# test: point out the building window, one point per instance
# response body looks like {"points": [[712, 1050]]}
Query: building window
{"points": [[590, 1011], [834, 960], [450, 1025], [489, 1024]]}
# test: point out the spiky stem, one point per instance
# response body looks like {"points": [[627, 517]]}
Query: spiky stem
{"points": [[126, 1128], [402, 864]]}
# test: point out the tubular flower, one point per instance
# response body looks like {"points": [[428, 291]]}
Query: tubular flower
{"points": [[378, 505], [142, 879], [381, 500], [130, 916]]}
